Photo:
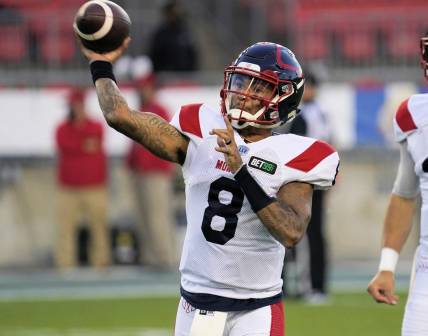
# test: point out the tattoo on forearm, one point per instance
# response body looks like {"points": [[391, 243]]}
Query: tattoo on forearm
{"points": [[284, 223], [152, 131], [109, 96]]}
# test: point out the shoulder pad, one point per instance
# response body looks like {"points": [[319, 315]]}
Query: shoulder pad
{"points": [[317, 163], [403, 122], [197, 120]]}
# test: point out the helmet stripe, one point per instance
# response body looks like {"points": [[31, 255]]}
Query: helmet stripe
{"points": [[282, 64]]}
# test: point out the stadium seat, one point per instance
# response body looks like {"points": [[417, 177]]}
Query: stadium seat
{"points": [[358, 46], [13, 41], [313, 46], [58, 48], [276, 15], [403, 43], [52, 29]]}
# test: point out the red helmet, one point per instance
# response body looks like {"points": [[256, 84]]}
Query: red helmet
{"points": [[424, 55], [266, 68]]}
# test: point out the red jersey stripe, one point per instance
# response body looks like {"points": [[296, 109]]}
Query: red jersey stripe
{"points": [[277, 319], [310, 158], [404, 118], [189, 119]]}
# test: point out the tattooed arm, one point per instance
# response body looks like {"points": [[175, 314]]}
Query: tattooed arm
{"points": [[288, 218], [150, 130]]}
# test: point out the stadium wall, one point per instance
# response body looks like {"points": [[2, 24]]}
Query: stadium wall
{"points": [[360, 114]]}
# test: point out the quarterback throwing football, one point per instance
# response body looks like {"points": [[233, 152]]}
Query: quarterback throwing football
{"points": [[248, 191]]}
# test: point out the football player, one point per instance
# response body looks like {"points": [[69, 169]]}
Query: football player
{"points": [[248, 191], [411, 132]]}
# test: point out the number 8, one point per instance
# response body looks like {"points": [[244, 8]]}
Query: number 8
{"points": [[228, 211]]}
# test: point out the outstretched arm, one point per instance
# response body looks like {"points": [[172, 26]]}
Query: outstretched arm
{"points": [[149, 129]]}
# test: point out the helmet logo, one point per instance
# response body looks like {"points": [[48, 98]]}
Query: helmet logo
{"points": [[287, 88]]}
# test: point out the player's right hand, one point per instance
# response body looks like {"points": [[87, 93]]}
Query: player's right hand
{"points": [[226, 144], [382, 288], [111, 56]]}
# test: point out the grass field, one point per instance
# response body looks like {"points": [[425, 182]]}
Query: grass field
{"points": [[348, 314]]}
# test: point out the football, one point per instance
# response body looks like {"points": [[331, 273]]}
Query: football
{"points": [[101, 25]]}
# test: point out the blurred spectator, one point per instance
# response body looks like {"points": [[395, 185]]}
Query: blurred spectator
{"points": [[82, 175], [152, 182], [311, 253], [172, 47]]}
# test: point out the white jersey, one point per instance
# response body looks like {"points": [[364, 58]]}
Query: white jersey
{"points": [[228, 251], [411, 124]]}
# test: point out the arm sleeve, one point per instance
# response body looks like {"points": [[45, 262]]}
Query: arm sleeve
{"points": [[406, 182]]}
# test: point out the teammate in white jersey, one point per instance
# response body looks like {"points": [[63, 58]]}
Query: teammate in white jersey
{"points": [[411, 132], [248, 193]]}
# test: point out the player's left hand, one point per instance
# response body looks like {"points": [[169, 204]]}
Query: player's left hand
{"points": [[227, 145], [381, 288]]}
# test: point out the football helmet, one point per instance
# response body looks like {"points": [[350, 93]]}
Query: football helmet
{"points": [[424, 55], [263, 87]]}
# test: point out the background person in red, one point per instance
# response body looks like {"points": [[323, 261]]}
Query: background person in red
{"points": [[152, 182], [82, 174]]}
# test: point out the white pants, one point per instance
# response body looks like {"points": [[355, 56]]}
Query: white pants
{"points": [[265, 321], [415, 322]]}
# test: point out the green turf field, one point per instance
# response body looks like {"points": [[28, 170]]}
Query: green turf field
{"points": [[347, 314]]}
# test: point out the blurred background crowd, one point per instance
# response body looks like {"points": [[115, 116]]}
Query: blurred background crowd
{"points": [[37, 35], [365, 56]]}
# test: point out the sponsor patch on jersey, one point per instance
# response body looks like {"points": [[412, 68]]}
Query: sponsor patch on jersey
{"points": [[263, 165], [243, 149]]}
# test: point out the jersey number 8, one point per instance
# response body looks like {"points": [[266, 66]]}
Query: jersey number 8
{"points": [[228, 211]]}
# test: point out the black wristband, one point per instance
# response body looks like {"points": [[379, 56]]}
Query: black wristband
{"points": [[101, 69], [255, 194]]}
